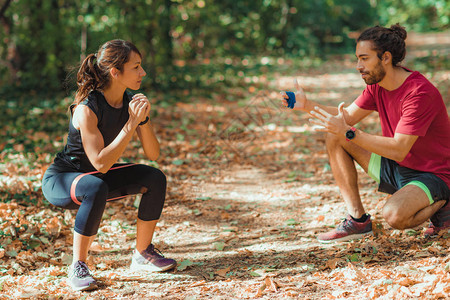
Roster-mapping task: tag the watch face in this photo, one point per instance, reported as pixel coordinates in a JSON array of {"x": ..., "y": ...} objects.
[{"x": 350, "y": 134}]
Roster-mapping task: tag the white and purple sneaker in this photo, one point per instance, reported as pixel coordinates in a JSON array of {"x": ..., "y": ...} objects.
[
  {"x": 152, "y": 260},
  {"x": 80, "y": 278}
]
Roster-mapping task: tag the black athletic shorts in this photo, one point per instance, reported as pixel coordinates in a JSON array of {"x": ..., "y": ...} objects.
[{"x": 391, "y": 177}]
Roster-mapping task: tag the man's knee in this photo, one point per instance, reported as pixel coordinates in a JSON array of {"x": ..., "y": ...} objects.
[
  {"x": 394, "y": 218},
  {"x": 332, "y": 142}
]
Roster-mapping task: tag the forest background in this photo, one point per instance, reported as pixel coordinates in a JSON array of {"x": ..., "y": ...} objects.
[
  {"x": 189, "y": 44},
  {"x": 249, "y": 186}
]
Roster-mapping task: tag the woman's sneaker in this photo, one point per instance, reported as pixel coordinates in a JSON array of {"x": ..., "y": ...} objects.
[
  {"x": 440, "y": 221},
  {"x": 349, "y": 229},
  {"x": 152, "y": 260},
  {"x": 80, "y": 278}
]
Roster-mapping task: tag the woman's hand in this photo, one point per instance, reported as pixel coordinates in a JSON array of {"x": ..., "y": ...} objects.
[{"x": 139, "y": 107}]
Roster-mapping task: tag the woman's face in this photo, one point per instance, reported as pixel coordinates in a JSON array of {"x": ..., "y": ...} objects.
[{"x": 132, "y": 73}]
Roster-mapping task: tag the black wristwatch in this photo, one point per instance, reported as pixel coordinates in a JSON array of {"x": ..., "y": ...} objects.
[
  {"x": 145, "y": 121},
  {"x": 350, "y": 134}
]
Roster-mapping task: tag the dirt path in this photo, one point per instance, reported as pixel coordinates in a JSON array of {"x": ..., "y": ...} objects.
[{"x": 246, "y": 198}]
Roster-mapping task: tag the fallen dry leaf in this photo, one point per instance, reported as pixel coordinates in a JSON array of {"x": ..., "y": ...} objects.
[{"x": 223, "y": 272}]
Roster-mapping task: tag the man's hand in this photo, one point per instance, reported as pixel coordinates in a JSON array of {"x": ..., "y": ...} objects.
[
  {"x": 300, "y": 97},
  {"x": 334, "y": 124}
]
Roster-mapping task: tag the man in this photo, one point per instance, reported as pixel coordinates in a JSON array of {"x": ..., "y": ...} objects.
[{"x": 411, "y": 160}]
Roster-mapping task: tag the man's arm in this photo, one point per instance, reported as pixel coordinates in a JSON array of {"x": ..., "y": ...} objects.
[
  {"x": 338, "y": 120},
  {"x": 353, "y": 113},
  {"x": 303, "y": 104},
  {"x": 395, "y": 148}
]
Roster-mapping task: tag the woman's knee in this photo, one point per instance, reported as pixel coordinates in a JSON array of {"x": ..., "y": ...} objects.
[
  {"x": 157, "y": 177},
  {"x": 152, "y": 203},
  {"x": 93, "y": 193},
  {"x": 94, "y": 187}
]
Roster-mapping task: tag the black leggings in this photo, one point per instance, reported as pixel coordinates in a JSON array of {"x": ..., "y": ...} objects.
[{"x": 89, "y": 192}]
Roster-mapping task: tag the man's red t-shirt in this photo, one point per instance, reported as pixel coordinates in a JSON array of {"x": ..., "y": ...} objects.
[{"x": 415, "y": 108}]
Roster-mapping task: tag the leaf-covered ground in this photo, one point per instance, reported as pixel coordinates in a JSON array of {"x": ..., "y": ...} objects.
[{"x": 249, "y": 189}]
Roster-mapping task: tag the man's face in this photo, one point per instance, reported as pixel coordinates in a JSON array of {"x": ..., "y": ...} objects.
[{"x": 369, "y": 64}]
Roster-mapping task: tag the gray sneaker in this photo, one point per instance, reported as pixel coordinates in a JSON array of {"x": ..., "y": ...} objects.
[
  {"x": 152, "y": 260},
  {"x": 80, "y": 278},
  {"x": 440, "y": 221},
  {"x": 347, "y": 230}
]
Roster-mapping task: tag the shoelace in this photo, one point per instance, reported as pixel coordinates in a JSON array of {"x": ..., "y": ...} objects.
[
  {"x": 344, "y": 225},
  {"x": 81, "y": 270},
  {"x": 151, "y": 251}
]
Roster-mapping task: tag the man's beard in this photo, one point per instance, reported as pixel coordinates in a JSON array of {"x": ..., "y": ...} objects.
[{"x": 376, "y": 75}]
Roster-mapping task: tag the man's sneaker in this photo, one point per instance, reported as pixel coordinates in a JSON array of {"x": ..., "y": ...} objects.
[
  {"x": 349, "y": 229},
  {"x": 80, "y": 278},
  {"x": 439, "y": 221},
  {"x": 152, "y": 260}
]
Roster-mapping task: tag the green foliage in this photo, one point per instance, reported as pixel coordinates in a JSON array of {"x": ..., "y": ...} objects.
[
  {"x": 187, "y": 44},
  {"x": 418, "y": 15}
]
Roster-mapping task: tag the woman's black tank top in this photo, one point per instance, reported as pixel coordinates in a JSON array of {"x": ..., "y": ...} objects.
[{"x": 110, "y": 122}]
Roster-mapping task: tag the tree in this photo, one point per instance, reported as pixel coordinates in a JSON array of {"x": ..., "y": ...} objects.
[{"x": 12, "y": 59}]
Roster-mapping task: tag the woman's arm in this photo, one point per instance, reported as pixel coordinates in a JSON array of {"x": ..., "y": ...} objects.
[
  {"x": 146, "y": 133},
  {"x": 148, "y": 140},
  {"x": 101, "y": 157}
]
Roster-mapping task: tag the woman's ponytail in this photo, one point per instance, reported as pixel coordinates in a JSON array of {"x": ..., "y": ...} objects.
[{"x": 87, "y": 78}]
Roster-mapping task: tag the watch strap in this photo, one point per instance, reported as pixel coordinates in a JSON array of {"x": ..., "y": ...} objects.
[{"x": 351, "y": 129}]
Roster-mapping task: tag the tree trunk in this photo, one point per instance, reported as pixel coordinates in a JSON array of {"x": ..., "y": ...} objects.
[
  {"x": 165, "y": 32},
  {"x": 12, "y": 61},
  {"x": 286, "y": 21},
  {"x": 161, "y": 55}
]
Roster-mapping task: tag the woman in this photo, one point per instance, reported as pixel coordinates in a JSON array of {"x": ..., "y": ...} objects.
[{"x": 85, "y": 175}]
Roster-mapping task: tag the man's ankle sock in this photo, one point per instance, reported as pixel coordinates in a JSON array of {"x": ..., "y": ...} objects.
[{"x": 362, "y": 219}]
